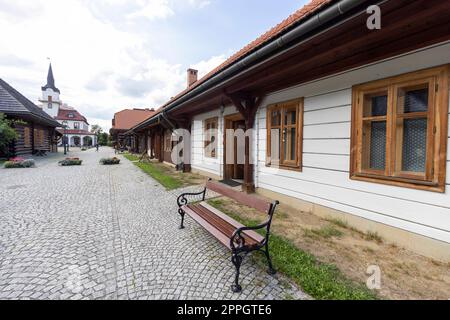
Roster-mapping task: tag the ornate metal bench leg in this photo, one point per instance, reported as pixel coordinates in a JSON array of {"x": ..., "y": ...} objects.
[
  {"x": 237, "y": 261},
  {"x": 271, "y": 270},
  {"x": 182, "y": 213}
]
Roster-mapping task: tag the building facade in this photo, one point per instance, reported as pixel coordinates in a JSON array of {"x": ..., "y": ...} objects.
[
  {"x": 75, "y": 127},
  {"x": 123, "y": 121},
  {"x": 36, "y": 130},
  {"x": 336, "y": 118}
]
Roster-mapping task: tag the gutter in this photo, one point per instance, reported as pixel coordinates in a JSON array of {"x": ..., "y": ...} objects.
[{"x": 314, "y": 22}]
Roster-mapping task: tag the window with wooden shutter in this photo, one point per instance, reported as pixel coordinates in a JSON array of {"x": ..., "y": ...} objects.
[
  {"x": 27, "y": 137},
  {"x": 285, "y": 134},
  {"x": 399, "y": 130},
  {"x": 168, "y": 141},
  {"x": 210, "y": 131}
]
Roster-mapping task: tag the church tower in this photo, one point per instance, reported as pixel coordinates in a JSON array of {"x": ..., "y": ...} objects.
[{"x": 50, "y": 95}]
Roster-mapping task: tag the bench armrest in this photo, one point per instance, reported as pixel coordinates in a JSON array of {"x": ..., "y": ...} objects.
[
  {"x": 184, "y": 198},
  {"x": 239, "y": 240}
]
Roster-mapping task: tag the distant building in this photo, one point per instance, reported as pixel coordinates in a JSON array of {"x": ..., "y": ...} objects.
[
  {"x": 76, "y": 125},
  {"x": 125, "y": 120},
  {"x": 36, "y": 130}
]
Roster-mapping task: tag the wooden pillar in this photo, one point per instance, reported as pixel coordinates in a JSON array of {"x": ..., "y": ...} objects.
[
  {"x": 186, "y": 125},
  {"x": 247, "y": 106},
  {"x": 161, "y": 145}
]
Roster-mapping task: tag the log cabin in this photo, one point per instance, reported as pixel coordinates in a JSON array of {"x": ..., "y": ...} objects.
[
  {"x": 36, "y": 130},
  {"x": 348, "y": 121}
]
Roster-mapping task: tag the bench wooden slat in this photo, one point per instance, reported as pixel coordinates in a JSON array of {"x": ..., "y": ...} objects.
[
  {"x": 248, "y": 200},
  {"x": 252, "y": 234},
  {"x": 205, "y": 224},
  {"x": 220, "y": 224}
]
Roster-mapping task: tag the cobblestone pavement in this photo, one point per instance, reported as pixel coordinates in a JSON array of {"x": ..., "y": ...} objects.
[{"x": 110, "y": 232}]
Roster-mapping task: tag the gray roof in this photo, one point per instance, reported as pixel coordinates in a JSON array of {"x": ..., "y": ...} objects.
[
  {"x": 50, "y": 81},
  {"x": 14, "y": 103}
]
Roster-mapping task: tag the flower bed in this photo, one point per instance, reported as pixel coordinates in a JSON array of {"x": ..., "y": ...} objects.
[
  {"x": 70, "y": 162},
  {"x": 19, "y": 163},
  {"x": 110, "y": 161}
]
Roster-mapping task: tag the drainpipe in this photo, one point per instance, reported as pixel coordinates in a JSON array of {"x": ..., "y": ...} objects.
[{"x": 171, "y": 125}]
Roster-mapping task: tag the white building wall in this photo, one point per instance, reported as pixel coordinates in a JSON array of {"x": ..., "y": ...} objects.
[
  {"x": 53, "y": 111},
  {"x": 326, "y": 154},
  {"x": 199, "y": 161}
]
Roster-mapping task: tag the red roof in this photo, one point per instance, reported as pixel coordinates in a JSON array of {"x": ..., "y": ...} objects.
[
  {"x": 70, "y": 114},
  {"x": 128, "y": 118},
  {"x": 300, "y": 14}
]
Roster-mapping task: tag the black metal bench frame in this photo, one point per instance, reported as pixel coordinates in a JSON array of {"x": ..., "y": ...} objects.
[{"x": 239, "y": 249}]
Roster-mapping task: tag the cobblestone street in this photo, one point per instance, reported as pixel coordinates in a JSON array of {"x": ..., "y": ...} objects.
[{"x": 110, "y": 232}]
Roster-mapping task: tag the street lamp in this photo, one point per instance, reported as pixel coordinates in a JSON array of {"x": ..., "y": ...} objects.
[{"x": 64, "y": 123}]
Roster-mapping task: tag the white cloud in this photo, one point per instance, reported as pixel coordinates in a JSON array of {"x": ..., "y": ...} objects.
[
  {"x": 206, "y": 66},
  {"x": 200, "y": 4},
  {"x": 152, "y": 9},
  {"x": 98, "y": 68}
]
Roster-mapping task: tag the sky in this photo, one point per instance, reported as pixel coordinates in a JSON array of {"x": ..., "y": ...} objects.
[{"x": 108, "y": 55}]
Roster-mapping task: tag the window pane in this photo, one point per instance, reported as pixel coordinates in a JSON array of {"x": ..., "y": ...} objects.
[
  {"x": 413, "y": 99},
  {"x": 290, "y": 144},
  {"x": 374, "y": 145},
  {"x": 275, "y": 138},
  {"x": 290, "y": 117},
  {"x": 375, "y": 104},
  {"x": 414, "y": 145},
  {"x": 276, "y": 118}
]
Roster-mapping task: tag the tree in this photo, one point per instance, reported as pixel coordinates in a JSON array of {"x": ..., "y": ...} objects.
[
  {"x": 96, "y": 129},
  {"x": 103, "y": 139},
  {"x": 7, "y": 135}
]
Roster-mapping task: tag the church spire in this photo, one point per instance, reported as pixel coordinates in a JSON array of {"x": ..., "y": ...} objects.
[{"x": 50, "y": 81}]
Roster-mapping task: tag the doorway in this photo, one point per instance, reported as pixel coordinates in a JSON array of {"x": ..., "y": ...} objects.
[{"x": 234, "y": 165}]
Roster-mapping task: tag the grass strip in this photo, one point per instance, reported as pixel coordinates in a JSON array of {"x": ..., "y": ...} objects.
[{"x": 321, "y": 281}]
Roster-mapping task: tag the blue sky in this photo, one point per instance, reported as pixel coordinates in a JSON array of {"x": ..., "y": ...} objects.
[{"x": 112, "y": 54}]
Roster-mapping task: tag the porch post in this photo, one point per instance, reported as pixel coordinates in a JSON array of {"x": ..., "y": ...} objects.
[
  {"x": 249, "y": 113},
  {"x": 161, "y": 145},
  {"x": 186, "y": 125}
]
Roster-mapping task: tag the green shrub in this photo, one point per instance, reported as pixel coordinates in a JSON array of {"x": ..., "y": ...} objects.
[
  {"x": 110, "y": 161},
  {"x": 7, "y": 134},
  {"x": 12, "y": 165},
  {"x": 28, "y": 163},
  {"x": 70, "y": 162},
  {"x": 19, "y": 164}
]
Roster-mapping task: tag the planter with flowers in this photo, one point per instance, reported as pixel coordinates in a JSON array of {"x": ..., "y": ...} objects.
[
  {"x": 70, "y": 162},
  {"x": 19, "y": 162},
  {"x": 109, "y": 161}
]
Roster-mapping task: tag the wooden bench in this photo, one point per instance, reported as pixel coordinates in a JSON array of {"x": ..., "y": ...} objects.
[{"x": 239, "y": 239}]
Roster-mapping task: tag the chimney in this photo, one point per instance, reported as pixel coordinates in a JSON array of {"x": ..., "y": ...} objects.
[{"x": 191, "y": 77}]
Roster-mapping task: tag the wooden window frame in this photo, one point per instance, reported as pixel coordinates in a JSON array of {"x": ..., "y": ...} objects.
[
  {"x": 168, "y": 143},
  {"x": 296, "y": 164},
  {"x": 207, "y": 139},
  {"x": 27, "y": 137},
  {"x": 433, "y": 178}
]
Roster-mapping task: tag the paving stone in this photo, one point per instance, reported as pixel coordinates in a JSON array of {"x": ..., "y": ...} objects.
[{"x": 110, "y": 232}]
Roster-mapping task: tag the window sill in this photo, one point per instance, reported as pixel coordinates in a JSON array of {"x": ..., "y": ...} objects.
[
  {"x": 400, "y": 182},
  {"x": 297, "y": 169}
]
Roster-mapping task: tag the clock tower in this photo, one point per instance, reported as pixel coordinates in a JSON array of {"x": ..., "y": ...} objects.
[{"x": 50, "y": 95}]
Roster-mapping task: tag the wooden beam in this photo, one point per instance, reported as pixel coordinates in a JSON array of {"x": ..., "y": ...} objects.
[{"x": 247, "y": 106}]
